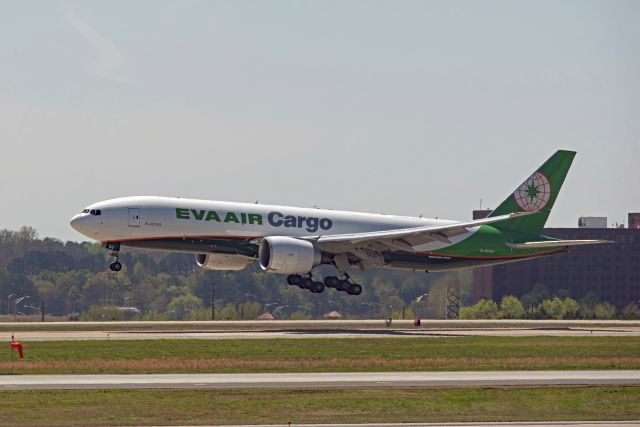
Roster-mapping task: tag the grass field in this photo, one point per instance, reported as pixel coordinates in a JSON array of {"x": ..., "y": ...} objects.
[
  {"x": 323, "y": 355},
  {"x": 192, "y": 407}
]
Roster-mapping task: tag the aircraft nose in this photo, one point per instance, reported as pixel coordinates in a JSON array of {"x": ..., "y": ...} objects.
[{"x": 76, "y": 222}]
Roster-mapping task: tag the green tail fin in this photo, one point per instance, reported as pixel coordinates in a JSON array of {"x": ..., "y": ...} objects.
[{"x": 537, "y": 193}]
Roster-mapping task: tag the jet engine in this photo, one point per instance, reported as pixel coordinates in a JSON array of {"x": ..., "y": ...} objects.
[
  {"x": 222, "y": 261},
  {"x": 287, "y": 255}
]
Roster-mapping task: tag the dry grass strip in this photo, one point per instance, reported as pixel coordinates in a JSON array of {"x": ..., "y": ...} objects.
[{"x": 373, "y": 364}]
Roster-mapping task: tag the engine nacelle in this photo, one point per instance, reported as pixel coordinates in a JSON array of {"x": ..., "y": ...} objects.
[
  {"x": 286, "y": 255},
  {"x": 222, "y": 261}
]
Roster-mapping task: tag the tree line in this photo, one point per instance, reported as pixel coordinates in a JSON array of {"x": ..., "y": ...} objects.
[{"x": 71, "y": 277}]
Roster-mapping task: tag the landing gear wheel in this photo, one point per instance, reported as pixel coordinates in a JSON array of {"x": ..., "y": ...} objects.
[
  {"x": 293, "y": 280},
  {"x": 344, "y": 286},
  {"x": 331, "y": 282},
  {"x": 115, "y": 266},
  {"x": 306, "y": 283},
  {"x": 318, "y": 287},
  {"x": 354, "y": 289}
]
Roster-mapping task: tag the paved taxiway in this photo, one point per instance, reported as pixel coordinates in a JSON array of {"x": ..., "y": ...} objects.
[
  {"x": 324, "y": 380},
  {"x": 326, "y": 333}
]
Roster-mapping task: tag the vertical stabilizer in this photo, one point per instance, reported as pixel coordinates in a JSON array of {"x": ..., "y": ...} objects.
[{"x": 536, "y": 193}]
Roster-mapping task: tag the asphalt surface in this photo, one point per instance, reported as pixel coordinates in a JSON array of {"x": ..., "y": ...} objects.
[
  {"x": 323, "y": 380},
  {"x": 496, "y": 424},
  {"x": 319, "y": 333}
]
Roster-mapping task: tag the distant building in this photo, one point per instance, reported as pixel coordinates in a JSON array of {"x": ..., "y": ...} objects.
[
  {"x": 592, "y": 222},
  {"x": 481, "y": 213},
  {"x": 611, "y": 271}
]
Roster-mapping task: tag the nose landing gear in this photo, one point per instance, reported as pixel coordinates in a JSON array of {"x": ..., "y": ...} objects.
[{"x": 115, "y": 251}]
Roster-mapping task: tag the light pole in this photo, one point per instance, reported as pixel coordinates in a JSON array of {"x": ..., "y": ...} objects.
[
  {"x": 9, "y": 304},
  {"x": 15, "y": 306},
  {"x": 213, "y": 301},
  {"x": 424, "y": 297}
]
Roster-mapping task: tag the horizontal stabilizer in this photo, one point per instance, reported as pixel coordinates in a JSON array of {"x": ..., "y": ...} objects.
[{"x": 555, "y": 243}]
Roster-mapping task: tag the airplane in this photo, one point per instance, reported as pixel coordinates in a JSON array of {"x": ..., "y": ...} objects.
[{"x": 294, "y": 241}]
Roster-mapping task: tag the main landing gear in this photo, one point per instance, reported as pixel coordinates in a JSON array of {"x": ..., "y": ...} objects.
[
  {"x": 115, "y": 251},
  {"x": 341, "y": 285},
  {"x": 305, "y": 282}
]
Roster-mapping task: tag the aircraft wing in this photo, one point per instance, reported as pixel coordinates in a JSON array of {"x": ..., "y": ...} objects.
[
  {"x": 555, "y": 243},
  {"x": 404, "y": 238}
]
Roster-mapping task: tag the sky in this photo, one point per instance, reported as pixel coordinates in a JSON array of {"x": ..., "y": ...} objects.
[{"x": 400, "y": 107}]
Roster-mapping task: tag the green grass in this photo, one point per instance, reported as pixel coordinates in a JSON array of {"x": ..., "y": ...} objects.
[
  {"x": 324, "y": 354},
  {"x": 192, "y": 407}
]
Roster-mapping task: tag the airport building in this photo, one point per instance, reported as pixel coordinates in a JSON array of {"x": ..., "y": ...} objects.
[{"x": 611, "y": 271}]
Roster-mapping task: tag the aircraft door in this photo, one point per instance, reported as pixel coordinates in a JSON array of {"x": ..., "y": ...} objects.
[{"x": 134, "y": 217}]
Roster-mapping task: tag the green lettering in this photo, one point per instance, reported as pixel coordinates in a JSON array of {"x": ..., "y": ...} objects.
[
  {"x": 197, "y": 214},
  {"x": 182, "y": 213},
  {"x": 231, "y": 217},
  {"x": 243, "y": 216},
  {"x": 255, "y": 219},
  {"x": 212, "y": 215}
]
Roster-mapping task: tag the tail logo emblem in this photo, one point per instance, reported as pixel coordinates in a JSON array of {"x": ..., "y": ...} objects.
[{"x": 534, "y": 193}]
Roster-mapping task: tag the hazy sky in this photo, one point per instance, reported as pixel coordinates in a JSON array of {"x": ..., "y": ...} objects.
[{"x": 386, "y": 106}]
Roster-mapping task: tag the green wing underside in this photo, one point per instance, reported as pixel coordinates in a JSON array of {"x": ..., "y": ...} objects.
[{"x": 490, "y": 242}]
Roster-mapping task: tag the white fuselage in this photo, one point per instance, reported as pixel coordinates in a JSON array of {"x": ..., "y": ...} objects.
[{"x": 131, "y": 219}]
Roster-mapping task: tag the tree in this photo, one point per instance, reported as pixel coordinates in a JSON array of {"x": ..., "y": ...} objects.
[
  {"x": 229, "y": 312},
  {"x": 180, "y": 306},
  {"x": 483, "y": 309},
  {"x": 631, "y": 312},
  {"x": 571, "y": 308},
  {"x": 532, "y": 301},
  {"x": 588, "y": 305},
  {"x": 511, "y": 308},
  {"x": 552, "y": 308},
  {"x": 604, "y": 310},
  {"x": 559, "y": 309},
  {"x": 250, "y": 310}
]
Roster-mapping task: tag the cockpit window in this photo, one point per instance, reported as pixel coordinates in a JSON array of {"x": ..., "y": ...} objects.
[
  {"x": 98, "y": 212},
  {"x": 85, "y": 211}
]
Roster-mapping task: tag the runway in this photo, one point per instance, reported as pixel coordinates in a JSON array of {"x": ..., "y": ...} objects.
[
  {"x": 470, "y": 424},
  {"x": 323, "y": 380},
  {"x": 322, "y": 333},
  {"x": 347, "y": 329}
]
